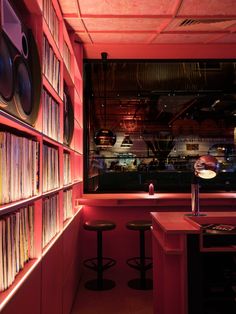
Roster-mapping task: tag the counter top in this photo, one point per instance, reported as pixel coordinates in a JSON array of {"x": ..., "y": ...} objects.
[
  {"x": 178, "y": 263},
  {"x": 178, "y": 222},
  {"x": 158, "y": 199},
  {"x": 174, "y": 222}
]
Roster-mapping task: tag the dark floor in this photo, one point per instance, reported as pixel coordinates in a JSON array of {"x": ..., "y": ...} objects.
[{"x": 120, "y": 300}]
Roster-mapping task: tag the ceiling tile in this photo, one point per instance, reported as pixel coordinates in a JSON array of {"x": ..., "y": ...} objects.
[
  {"x": 119, "y": 38},
  {"x": 76, "y": 24},
  {"x": 123, "y": 24},
  {"x": 147, "y": 22},
  {"x": 208, "y": 8},
  {"x": 182, "y": 24},
  {"x": 179, "y": 38},
  {"x": 126, "y": 7},
  {"x": 84, "y": 38},
  {"x": 69, "y": 7}
]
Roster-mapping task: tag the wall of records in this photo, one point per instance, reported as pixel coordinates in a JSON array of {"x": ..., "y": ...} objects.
[{"x": 41, "y": 154}]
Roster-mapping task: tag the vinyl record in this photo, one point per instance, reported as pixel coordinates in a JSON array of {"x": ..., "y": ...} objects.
[
  {"x": 23, "y": 89},
  {"x": 6, "y": 70},
  {"x": 68, "y": 120}
]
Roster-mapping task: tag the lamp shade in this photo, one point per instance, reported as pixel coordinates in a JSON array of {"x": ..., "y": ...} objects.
[
  {"x": 206, "y": 167},
  {"x": 127, "y": 142},
  {"x": 105, "y": 138}
]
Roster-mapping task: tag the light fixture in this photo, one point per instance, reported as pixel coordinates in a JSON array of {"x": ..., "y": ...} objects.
[
  {"x": 206, "y": 167},
  {"x": 127, "y": 142},
  {"x": 104, "y": 137}
]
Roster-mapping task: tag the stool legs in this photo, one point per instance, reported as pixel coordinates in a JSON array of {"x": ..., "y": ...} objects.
[
  {"x": 142, "y": 259},
  {"x": 99, "y": 264},
  {"x": 141, "y": 263}
]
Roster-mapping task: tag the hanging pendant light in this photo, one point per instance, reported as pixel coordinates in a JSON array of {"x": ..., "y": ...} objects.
[
  {"x": 104, "y": 137},
  {"x": 127, "y": 142},
  {"x": 206, "y": 167}
]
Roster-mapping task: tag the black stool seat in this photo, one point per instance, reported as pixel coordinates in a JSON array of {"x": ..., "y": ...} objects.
[
  {"x": 99, "y": 263},
  {"x": 96, "y": 225},
  {"x": 139, "y": 225},
  {"x": 142, "y": 263}
]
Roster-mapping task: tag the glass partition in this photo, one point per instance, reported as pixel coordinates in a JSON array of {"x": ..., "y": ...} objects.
[{"x": 164, "y": 116}]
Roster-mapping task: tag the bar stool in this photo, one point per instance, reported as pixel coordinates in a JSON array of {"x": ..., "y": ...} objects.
[
  {"x": 142, "y": 263},
  {"x": 99, "y": 263}
]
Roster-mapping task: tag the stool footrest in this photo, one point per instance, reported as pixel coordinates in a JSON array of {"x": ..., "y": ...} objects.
[
  {"x": 135, "y": 262},
  {"x": 138, "y": 284},
  {"x": 99, "y": 285},
  {"x": 92, "y": 263}
]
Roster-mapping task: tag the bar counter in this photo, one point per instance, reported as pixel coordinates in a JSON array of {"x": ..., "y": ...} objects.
[
  {"x": 167, "y": 242},
  {"x": 179, "y": 252},
  {"x": 165, "y": 201}
]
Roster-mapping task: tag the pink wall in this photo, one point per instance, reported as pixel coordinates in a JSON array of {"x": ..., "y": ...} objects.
[{"x": 164, "y": 51}]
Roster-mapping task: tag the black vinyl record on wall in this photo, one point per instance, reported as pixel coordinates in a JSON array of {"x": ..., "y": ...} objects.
[{"x": 68, "y": 119}]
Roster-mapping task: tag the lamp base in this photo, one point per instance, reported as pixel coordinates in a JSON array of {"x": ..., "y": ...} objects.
[{"x": 193, "y": 215}]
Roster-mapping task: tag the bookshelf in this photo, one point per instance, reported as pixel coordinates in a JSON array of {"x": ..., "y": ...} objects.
[{"x": 41, "y": 160}]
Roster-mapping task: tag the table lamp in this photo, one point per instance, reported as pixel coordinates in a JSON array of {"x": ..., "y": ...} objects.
[{"x": 206, "y": 167}]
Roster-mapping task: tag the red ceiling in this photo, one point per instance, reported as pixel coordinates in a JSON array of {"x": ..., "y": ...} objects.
[{"x": 154, "y": 28}]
